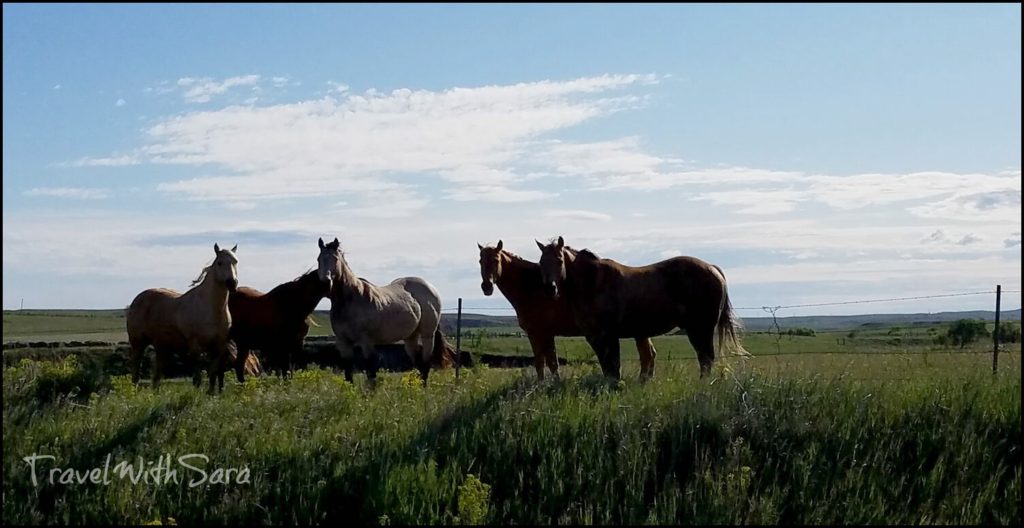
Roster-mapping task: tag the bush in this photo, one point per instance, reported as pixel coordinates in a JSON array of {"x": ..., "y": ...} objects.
[{"x": 966, "y": 331}]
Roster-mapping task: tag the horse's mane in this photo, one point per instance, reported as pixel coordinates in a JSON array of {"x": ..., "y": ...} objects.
[
  {"x": 294, "y": 281},
  {"x": 513, "y": 256},
  {"x": 202, "y": 275},
  {"x": 583, "y": 253}
]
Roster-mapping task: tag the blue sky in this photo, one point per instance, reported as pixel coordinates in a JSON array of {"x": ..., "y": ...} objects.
[{"x": 816, "y": 153}]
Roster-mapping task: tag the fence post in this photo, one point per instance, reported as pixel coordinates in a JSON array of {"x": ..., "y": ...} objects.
[
  {"x": 458, "y": 340},
  {"x": 995, "y": 331}
]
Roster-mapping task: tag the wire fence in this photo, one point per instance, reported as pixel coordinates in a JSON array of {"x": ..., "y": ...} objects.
[
  {"x": 766, "y": 307},
  {"x": 900, "y": 338}
]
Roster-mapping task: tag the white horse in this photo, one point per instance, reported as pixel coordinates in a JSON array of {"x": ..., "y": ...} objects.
[
  {"x": 364, "y": 315},
  {"x": 196, "y": 323}
]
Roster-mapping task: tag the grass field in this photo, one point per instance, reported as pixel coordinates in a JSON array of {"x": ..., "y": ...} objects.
[{"x": 808, "y": 431}]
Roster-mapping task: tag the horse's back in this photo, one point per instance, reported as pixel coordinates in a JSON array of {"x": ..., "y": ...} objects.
[
  {"x": 247, "y": 307},
  {"x": 151, "y": 312},
  {"x": 421, "y": 290}
]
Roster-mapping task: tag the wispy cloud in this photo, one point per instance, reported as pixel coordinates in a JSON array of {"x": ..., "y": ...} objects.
[
  {"x": 114, "y": 161},
  {"x": 578, "y": 215},
  {"x": 355, "y": 142},
  {"x": 77, "y": 193},
  {"x": 202, "y": 90},
  {"x": 968, "y": 239},
  {"x": 120, "y": 102}
]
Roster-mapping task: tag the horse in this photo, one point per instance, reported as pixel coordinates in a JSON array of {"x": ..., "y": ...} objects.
[
  {"x": 540, "y": 316},
  {"x": 275, "y": 322},
  {"x": 609, "y": 299},
  {"x": 364, "y": 315},
  {"x": 196, "y": 322}
]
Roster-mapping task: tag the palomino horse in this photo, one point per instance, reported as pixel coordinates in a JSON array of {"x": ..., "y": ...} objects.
[
  {"x": 196, "y": 322},
  {"x": 540, "y": 316},
  {"x": 275, "y": 322},
  {"x": 609, "y": 300},
  {"x": 364, "y": 315}
]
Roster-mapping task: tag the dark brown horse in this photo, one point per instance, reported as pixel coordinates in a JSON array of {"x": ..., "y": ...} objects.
[
  {"x": 275, "y": 322},
  {"x": 609, "y": 300},
  {"x": 540, "y": 316}
]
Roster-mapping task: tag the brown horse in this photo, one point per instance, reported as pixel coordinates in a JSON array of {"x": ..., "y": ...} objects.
[
  {"x": 196, "y": 322},
  {"x": 540, "y": 316},
  {"x": 609, "y": 300},
  {"x": 275, "y": 322}
]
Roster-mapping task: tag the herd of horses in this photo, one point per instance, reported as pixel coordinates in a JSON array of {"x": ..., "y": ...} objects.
[{"x": 219, "y": 324}]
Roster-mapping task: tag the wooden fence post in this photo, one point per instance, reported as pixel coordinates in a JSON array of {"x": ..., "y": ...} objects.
[
  {"x": 995, "y": 331},
  {"x": 458, "y": 341}
]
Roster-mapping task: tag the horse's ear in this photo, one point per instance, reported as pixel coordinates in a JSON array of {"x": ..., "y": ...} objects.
[
  {"x": 216, "y": 247},
  {"x": 541, "y": 246},
  {"x": 336, "y": 241},
  {"x": 321, "y": 241},
  {"x": 561, "y": 243},
  {"x": 479, "y": 246},
  {"x": 234, "y": 248},
  {"x": 499, "y": 245}
]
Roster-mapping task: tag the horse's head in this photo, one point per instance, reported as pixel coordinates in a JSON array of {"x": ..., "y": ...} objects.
[
  {"x": 490, "y": 267},
  {"x": 329, "y": 261},
  {"x": 225, "y": 267},
  {"x": 552, "y": 265}
]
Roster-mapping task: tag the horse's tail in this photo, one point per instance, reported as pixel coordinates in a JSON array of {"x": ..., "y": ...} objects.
[
  {"x": 252, "y": 365},
  {"x": 728, "y": 324},
  {"x": 444, "y": 352}
]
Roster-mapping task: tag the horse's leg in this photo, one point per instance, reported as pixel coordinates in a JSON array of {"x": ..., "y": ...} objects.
[
  {"x": 538, "y": 344},
  {"x": 345, "y": 352},
  {"x": 595, "y": 344},
  {"x": 212, "y": 362},
  {"x": 223, "y": 361},
  {"x": 428, "y": 353},
  {"x": 137, "y": 350},
  {"x": 412, "y": 348},
  {"x": 552, "y": 357},
  {"x": 158, "y": 366},
  {"x": 369, "y": 351},
  {"x": 645, "y": 347},
  {"x": 242, "y": 356},
  {"x": 612, "y": 355},
  {"x": 702, "y": 337}
]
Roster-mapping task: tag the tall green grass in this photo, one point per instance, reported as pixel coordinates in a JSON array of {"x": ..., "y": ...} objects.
[{"x": 751, "y": 444}]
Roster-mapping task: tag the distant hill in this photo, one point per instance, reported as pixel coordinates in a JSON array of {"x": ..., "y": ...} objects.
[{"x": 844, "y": 322}]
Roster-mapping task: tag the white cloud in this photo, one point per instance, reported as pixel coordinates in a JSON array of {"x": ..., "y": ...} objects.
[
  {"x": 120, "y": 102},
  {"x": 204, "y": 89},
  {"x": 77, "y": 193},
  {"x": 755, "y": 201},
  {"x": 968, "y": 239},
  {"x": 578, "y": 215},
  {"x": 56, "y": 87},
  {"x": 496, "y": 193},
  {"x": 468, "y": 136},
  {"x": 114, "y": 161},
  {"x": 337, "y": 87}
]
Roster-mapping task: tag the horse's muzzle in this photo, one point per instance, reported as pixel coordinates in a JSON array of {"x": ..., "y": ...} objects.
[
  {"x": 232, "y": 284},
  {"x": 552, "y": 290},
  {"x": 487, "y": 287}
]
